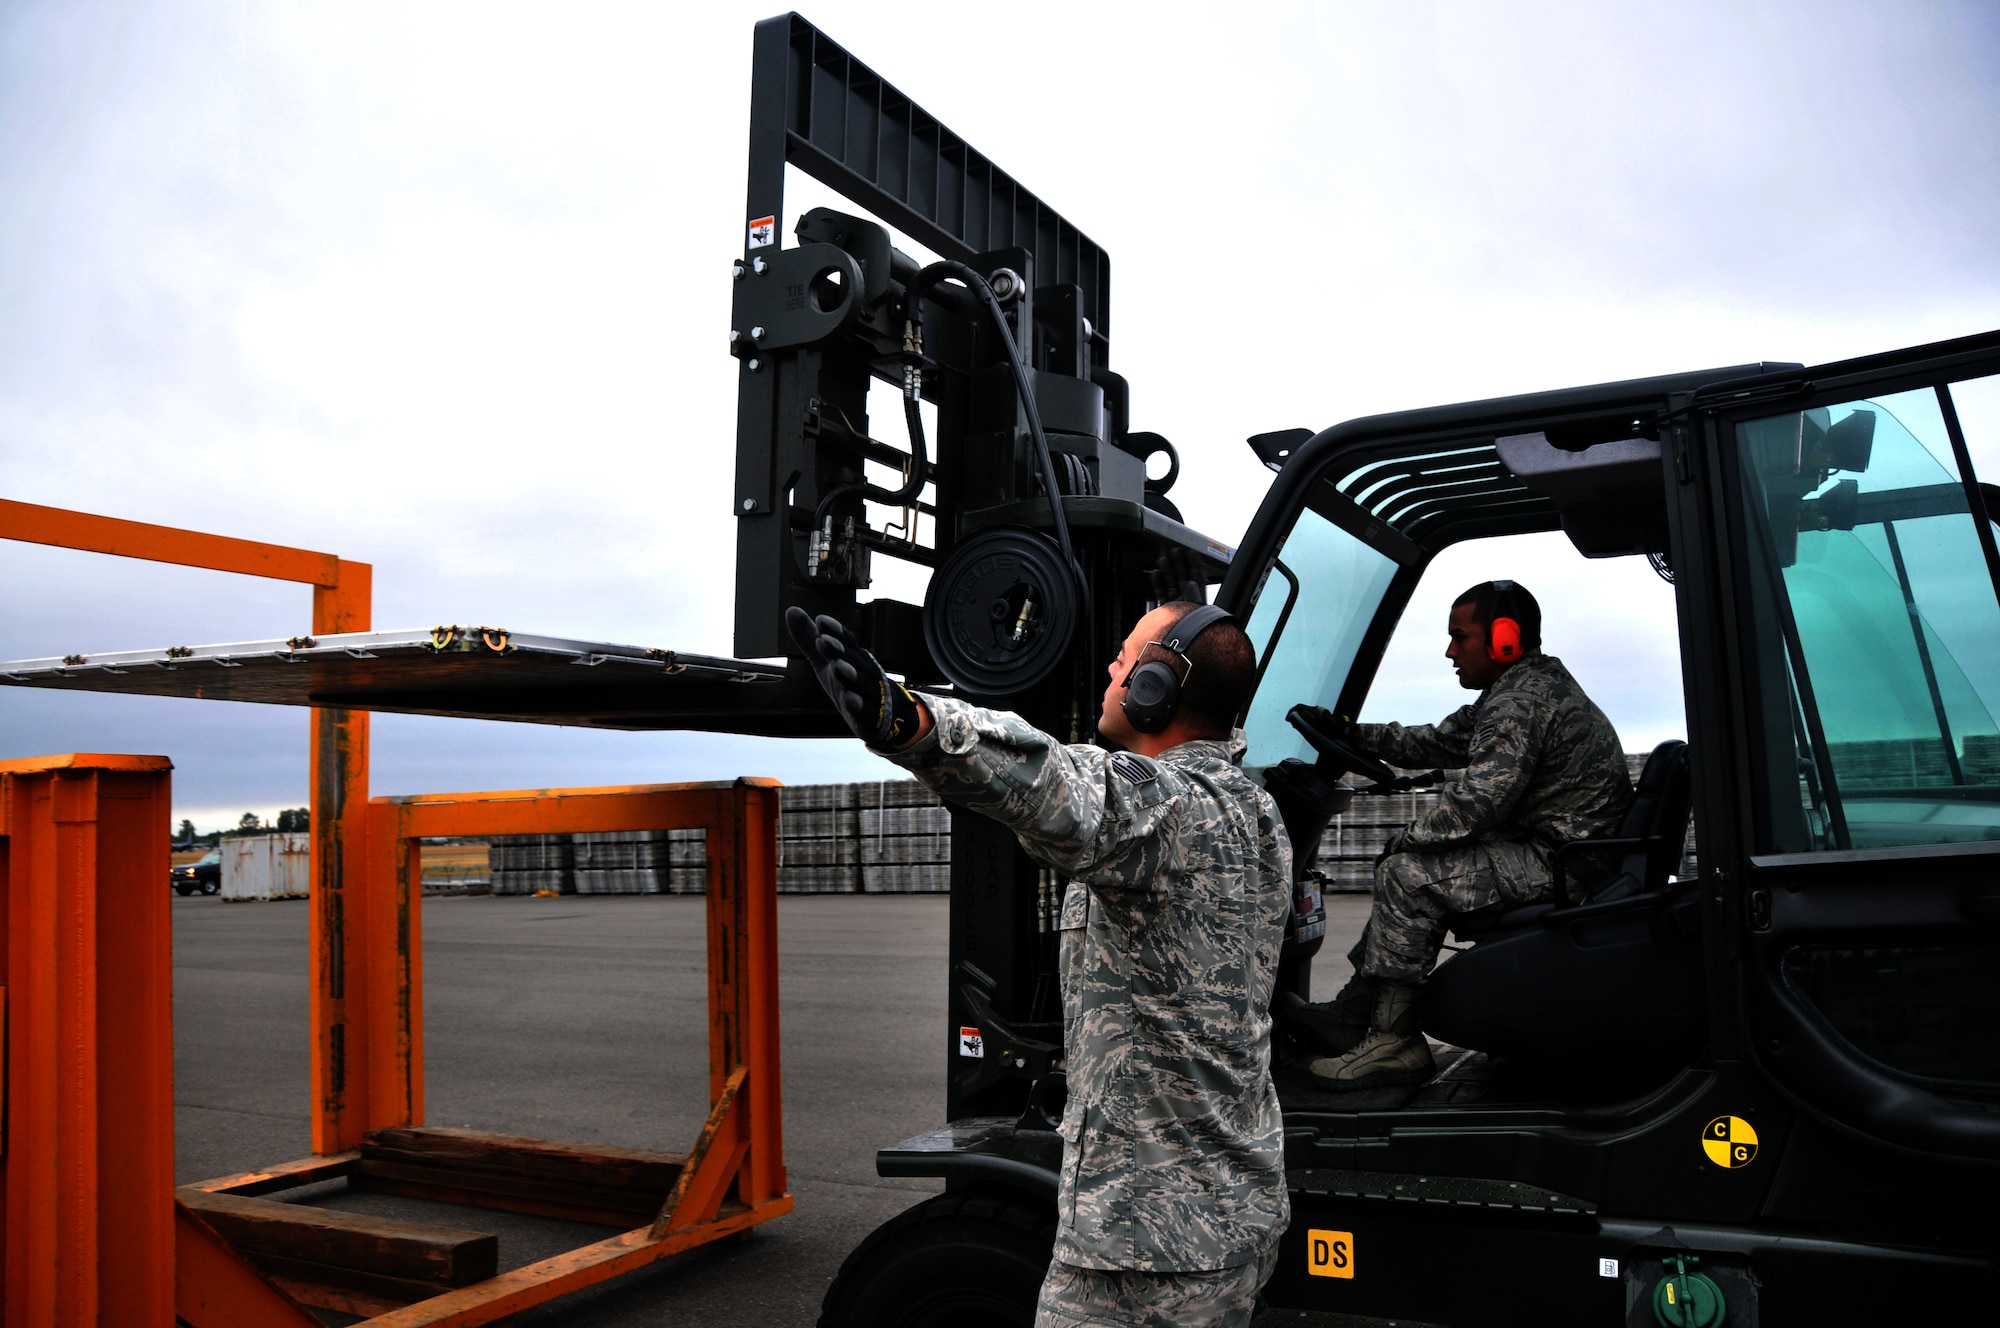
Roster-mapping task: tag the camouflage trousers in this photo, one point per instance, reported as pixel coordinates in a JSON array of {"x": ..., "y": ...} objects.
[
  {"x": 1417, "y": 891},
  {"x": 1075, "y": 1297}
]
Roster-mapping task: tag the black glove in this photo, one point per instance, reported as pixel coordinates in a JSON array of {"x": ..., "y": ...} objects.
[
  {"x": 881, "y": 711},
  {"x": 1338, "y": 727}
]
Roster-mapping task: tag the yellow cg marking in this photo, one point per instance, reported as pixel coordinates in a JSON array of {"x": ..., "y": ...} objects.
[{"x": 1729, "y": 1141}]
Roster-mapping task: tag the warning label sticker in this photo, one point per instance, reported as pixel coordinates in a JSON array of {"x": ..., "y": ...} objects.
[
  {"x": 763, "y": 231},
  {"x": 970, "y": 1043},
  {"x": 1330, "y": 1253},
  {"x": 1729, "y": 1142}
]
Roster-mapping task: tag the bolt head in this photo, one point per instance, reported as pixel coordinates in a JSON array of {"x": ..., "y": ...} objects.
[
  {"x": 756, "y": 334},
  {"x": 734, "y": 336},
  {"x": 755, "y": 365},
  {"x": 749, "y": 504},
  {"x": 758, "y": 265},
  {"x": 736, "y": 270}
]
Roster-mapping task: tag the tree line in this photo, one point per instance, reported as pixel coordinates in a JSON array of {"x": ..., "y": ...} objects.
[{"x": 289, "y": 819}]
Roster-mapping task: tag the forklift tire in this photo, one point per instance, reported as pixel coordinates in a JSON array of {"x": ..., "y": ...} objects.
[{"x": 974, "y": 1258}]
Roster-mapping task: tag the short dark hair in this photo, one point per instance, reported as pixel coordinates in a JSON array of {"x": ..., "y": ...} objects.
[
  {"x": 1485, "y": 600},
  {"x": 1222, "y": 672}
]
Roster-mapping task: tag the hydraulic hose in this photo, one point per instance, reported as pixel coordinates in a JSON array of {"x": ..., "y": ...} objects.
[
  {"x": 913, "y": 483},
  {"x": 913, "y": 305}
]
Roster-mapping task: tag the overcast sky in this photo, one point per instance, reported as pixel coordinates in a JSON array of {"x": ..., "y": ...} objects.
[{"x": 445, "y": 288}]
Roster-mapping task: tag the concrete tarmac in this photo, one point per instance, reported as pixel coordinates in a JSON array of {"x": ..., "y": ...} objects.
[{"x": 585, "y": 1018}]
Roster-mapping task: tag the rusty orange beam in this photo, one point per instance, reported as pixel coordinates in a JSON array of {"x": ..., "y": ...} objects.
[
  {"x": 350, "y": 986},
  {"x": 567, "y": 810},
  {"x": 742, "y": 1140},
  {"x": 215, "y": 1287},
  {"x": 59, "y": 526},
  {"x": 86, "y": 959}
]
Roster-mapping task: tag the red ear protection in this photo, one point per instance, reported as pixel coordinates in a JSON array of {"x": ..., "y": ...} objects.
[{"x": 1503, "y": 634}]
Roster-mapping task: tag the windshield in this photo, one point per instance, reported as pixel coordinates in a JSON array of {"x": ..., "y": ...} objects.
[
  {"x": 1887, "y": 648},
  {"x": 1311, "y": 613},
  {"x": 210, "y": 858}
]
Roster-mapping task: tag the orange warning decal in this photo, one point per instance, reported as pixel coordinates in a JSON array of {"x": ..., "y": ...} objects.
[{"x": 1330, "y": 1253}]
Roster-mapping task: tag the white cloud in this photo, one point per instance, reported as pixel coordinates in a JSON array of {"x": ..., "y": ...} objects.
[{"x": 443, "y": 288}]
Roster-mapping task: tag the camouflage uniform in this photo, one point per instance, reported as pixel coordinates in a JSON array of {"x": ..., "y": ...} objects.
[
  {"x": 1098, "y": 1298},
  {"x": 1180, "y": 885},
  {"x": 1542, "y": 766}
]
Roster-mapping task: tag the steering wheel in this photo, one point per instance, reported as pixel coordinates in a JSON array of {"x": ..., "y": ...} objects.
[{"x": 1316, "y": 725}]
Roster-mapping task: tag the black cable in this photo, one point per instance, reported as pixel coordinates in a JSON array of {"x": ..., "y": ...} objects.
[
  {"x": 913, "y": 483},
  {"x": 913, "y": 303}
]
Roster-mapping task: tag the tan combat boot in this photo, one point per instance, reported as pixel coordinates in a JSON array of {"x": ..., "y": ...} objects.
[
  {"x": 1333, "y": 1027},
  {"x": 1394, "y": 1054}
]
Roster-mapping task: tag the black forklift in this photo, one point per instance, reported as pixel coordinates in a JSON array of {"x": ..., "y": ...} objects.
[
  {"x": 1766, "y": 1089},
  {"x": 1761, "y": 1087}
]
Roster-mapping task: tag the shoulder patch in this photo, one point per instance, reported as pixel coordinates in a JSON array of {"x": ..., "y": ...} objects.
[{"x": 1133, "y": 769}]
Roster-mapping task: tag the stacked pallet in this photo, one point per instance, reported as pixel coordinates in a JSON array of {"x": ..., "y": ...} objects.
[
  {"x": 1348, "y": 849},
  {"x": 905, "y": 839},
  {"x": 1981, "y": 758},
  {"x": 623, "y": 862},
  {"x": 816, "y": 843},
  {"x": 532, "y": 864},
  {"x": 687, "y": 862}
]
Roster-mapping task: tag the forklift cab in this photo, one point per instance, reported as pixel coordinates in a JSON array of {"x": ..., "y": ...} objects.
[{"x": 1798, "y": 1034}]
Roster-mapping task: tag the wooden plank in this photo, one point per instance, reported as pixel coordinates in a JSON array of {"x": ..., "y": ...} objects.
[
  {"x": 215, "y": 1287},
  {"x": 584, "y": 1182},
  {"x": 538, "y": 1283},
  {"x": 283, "y": 1176},
  {"x": 432, "y": 1257},
  {"x": 511, "y": 1194},
  {"x": 345, "y": 1299},
  {"x": 596, "y": 1166}
]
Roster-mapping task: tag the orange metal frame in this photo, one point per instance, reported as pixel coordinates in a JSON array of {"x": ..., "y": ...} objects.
[
  {"x": 86, "y": 985},
  {"x": 741, "y": 1146},
  {"x": 353, "y": 988},
  {"x": 76, "y": 1243}
]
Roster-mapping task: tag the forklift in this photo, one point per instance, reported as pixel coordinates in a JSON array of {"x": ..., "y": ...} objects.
[
  {"x": 1766, "y": 1090},
  {"x": 1761, "y": 1087}
]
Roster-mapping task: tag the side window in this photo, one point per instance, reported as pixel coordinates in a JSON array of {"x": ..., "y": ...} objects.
[
  {"x": 1310, "y": 616},
  {"x": 1878, "y": 628}
]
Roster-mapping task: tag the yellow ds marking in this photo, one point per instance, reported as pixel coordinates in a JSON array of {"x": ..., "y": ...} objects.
[
  {"x": 1330, "y": 1253},
  {"x": 1729, "y": 1142}
]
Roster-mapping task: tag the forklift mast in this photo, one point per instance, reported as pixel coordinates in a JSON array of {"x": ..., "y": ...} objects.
[{"x": 1029, "y": 503}]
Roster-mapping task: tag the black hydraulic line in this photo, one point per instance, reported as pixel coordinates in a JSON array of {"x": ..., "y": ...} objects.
[
  {"x": 913, "y": 312},
  {"x": 1924, "y": 653},
  {"x": 913, "y": 483}
]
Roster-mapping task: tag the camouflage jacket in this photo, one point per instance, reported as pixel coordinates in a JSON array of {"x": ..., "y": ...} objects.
[
  {"x": 1180, "y": 882},
  {"x": 1541, "y": 763}
]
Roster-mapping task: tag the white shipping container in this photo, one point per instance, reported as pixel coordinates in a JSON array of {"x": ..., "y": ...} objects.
[{"x": 267, "y": 866}]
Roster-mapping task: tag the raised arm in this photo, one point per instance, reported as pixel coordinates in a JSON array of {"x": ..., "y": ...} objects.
[
  {"x": 1088, "y": 813},
  {"x": 1447, "y": 745},
  {"x": 1501, "y": 755}
]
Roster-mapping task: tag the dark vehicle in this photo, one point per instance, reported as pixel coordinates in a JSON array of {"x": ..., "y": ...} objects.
[
  {"x": 204, "y": 876},
  {"x": 1767, "y": 1087}
]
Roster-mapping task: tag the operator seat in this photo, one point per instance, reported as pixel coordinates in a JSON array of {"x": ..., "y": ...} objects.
[{"x": 1613, "y": 981}]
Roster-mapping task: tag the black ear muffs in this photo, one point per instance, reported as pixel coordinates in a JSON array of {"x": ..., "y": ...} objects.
[
  {"x": 1153, "y": 689},
  {"x": 1503, "y": 634}
]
